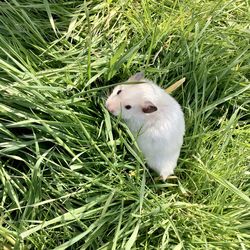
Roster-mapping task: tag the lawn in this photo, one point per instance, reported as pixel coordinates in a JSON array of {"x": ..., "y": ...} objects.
[{"x": 71, "y": 176}]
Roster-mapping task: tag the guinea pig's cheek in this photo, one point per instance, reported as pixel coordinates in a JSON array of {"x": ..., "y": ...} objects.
[{"x": 116, "y": 113}]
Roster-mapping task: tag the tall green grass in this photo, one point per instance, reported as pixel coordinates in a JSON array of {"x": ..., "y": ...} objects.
[{"x": 71, "y": 176}]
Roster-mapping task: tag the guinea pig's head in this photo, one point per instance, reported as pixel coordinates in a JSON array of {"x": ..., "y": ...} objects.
[{"x": 132, "y": 101}]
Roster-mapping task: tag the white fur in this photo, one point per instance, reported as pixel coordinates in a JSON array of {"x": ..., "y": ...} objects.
[{"x": 159, "y": 134}]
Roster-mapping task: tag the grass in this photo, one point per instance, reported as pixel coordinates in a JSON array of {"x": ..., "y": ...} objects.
[{"x": 71, "y": 177}]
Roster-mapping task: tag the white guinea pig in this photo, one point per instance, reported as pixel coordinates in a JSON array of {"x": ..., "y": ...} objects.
[{"x": 154, "y": 117}]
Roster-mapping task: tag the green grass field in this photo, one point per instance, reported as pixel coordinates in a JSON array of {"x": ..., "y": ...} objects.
[{"x": 70, "y": 174}]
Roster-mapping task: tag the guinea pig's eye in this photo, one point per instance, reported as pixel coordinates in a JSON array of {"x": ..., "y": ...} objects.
[
  {"x": 128, "y": 107},
  {"x": 119, "y": 91}
]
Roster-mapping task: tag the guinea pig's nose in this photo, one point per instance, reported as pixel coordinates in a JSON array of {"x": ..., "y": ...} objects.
[{"x": 109, "y": 108}]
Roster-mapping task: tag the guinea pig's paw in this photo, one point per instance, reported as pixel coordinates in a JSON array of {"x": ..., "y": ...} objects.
[{"x": 164, "y": 176}]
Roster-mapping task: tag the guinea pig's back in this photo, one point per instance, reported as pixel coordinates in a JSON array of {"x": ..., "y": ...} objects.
[
  {"x": 169, "y": 118},
  {"x": 173, "y": 111}
]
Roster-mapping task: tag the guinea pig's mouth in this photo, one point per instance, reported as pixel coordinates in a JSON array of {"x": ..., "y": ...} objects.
[{"x": 114, "y": 112}]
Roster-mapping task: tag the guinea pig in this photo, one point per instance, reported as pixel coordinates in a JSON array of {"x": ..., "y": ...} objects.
[{"x": 154, "y": 117}]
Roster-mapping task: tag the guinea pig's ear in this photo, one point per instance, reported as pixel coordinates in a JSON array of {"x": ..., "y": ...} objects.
[
  {"x": 148, "y": 107},
  {"x": 137, "y": 77}
]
